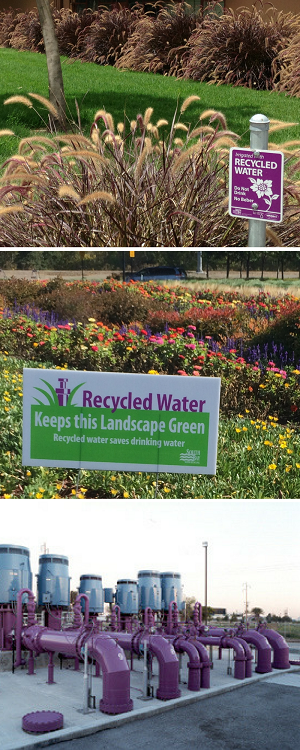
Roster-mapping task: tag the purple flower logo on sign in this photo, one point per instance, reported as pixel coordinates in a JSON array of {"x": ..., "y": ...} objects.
[{"x": 262, "y": 188}]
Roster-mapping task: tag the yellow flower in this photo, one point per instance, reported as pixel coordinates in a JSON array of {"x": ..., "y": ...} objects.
[
  {"x": 262, "y": 386},
  {"x": 237, "y": 429},
  {"x": 39, "y": 495},
  {"x": 166, "y": 489},
  {"x": 288, "y": 467},
  {"x": 129, "y": 348},
  {"x": 73, "y": 492},
  {"x": 83, "y": 490},
  {"x": 249, "y": 447},
  {"x": 298, "y": 466},
  {"x": 114, "y": 492},
  {"x": 286, "y": 385},
  {"x": 295, "y": 372},
  {"x": 28, "y": 473},
  {"x": 272, "y": 466},
  {"x": 58, "y": 486},
  {"x": 35, "y": 344},
  {"x": 92, "y": 320},
  {"x": 6, "y": 497},
  {"x": 245, "y": 429},
  {"x": 283, "y": 444},
  {"x": 126, "y": 494},
  {"x": 113, "y": 479},
  {"x": 153, "y": 372},
  {"x": 289, "y": 451},
  {"x": 41, "y": 489}
]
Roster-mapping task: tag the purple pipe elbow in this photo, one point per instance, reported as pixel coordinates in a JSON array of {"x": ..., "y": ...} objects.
[
  {"x": 229, "y": 642},
  {"x": 169, "y": 667},
  {"x": 205, "y": 663},
  {"x": 181, "y": 645},
  {"x": 280, "y": 648},
  {"x": 116, "y": 675},
  {"x": 165, "y": 654},
  {"x": 108, "y": 654},
  {"x": 264, "y": 651}
]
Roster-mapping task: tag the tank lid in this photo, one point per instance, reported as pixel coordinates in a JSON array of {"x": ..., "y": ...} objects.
[{"x": 86, "y": 577}]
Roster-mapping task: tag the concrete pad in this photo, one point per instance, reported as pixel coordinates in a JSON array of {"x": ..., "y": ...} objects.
[{"x": 21, "y": 693}]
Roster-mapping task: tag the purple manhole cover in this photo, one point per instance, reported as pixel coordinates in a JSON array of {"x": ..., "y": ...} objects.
[{"x": 42, "y": 721}]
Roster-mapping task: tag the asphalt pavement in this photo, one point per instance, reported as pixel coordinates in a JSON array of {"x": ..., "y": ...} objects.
[{"x": 264, "y": 716}]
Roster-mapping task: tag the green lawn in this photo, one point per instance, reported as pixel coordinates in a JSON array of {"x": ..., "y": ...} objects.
[{"x": 97, "y": 87}]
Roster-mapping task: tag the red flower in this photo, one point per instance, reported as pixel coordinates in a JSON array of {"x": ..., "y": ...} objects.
[{"x": 294, "y": 408}]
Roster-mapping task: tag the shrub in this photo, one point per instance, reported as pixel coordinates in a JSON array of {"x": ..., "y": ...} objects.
[
  {"x": 18, "y": 290},
  {"x": 284, "y": 331},
  {"x": 27, "y": 34},
  {"x": 240, "y": 48},
  {"x": 102, "y": 41},
  {"x": 158, "y": 45},
  {"x": 69, "y": 30},
  {"x": 129, "y": 188},
  {"x": 8, "y": 22},
  {"x": 289, "y": 63}
]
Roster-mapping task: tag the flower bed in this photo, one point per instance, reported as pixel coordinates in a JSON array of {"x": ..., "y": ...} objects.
[{"x": 260, "y": 394}]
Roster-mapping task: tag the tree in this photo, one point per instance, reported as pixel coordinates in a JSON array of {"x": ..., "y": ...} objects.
[
  {"x": 190, "y": 603},
  {"x": 55, "y": 77},
  {"x": 257, "y": 612}
]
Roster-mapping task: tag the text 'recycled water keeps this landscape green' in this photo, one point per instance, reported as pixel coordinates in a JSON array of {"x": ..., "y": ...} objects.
[{"x": 120, "y": 421}]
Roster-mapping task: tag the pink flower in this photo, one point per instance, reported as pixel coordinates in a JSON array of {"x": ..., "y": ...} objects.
[{"x": 94, "y": 348}]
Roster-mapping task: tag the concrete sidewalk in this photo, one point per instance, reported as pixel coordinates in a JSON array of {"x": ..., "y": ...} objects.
[{"x": 21, "y": 694}]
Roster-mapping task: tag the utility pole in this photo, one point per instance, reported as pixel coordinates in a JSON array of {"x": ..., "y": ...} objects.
[{"x": 246, "y": 586}]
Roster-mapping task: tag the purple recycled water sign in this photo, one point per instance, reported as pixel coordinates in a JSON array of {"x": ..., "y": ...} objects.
[{"x": 256, "y": 184}]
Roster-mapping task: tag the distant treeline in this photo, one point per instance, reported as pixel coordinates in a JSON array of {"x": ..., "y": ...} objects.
[{"x": 243, "y": 261}]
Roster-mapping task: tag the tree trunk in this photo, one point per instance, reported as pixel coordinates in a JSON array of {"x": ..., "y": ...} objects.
[{"x": 55, "y": 78}]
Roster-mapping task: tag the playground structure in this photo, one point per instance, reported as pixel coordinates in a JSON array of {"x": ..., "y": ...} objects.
[{"x": 145, "y": 621}]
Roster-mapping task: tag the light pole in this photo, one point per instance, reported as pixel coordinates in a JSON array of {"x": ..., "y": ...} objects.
[{"x": 205, "y": 545}]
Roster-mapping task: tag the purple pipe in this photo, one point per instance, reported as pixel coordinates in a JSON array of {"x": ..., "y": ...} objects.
[
  {"x": 165, "y": 654},
  {"x": 263, "y": 648},
  {"x": 204, "y": 663},
  {"x": 172, "y": 620},
  {"x": 19, "y": 621},
  {"x": 149, "y": 621},
  {"x": 86, "y": 607},
  {"x": 197, "y": 614},
  {"x": 103, "y": 648},
  {"x": 279, "y": 645},
  {"x": 229, "y": 642},
  {"x": 181, "y": 646},
  {"x": 115, "y": 617}
]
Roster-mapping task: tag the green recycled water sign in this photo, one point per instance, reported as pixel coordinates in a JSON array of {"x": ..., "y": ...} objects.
[{"x": 120, "y": 421}]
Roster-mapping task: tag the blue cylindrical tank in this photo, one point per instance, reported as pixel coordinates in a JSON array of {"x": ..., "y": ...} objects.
[
  {"x": 109, "y": 596},
  {"x": 92, "y": 586},
  {"x": 127, "y": 596},
  {"x": 171, "y": 590},
  {"x": 53, "y": 582},
  {"x": 15, "y": 572},
  {"x": 149, "y": 586}
]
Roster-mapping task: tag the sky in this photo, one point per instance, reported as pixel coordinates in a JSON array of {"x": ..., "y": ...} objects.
[{"x": 253, "y": 543}]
